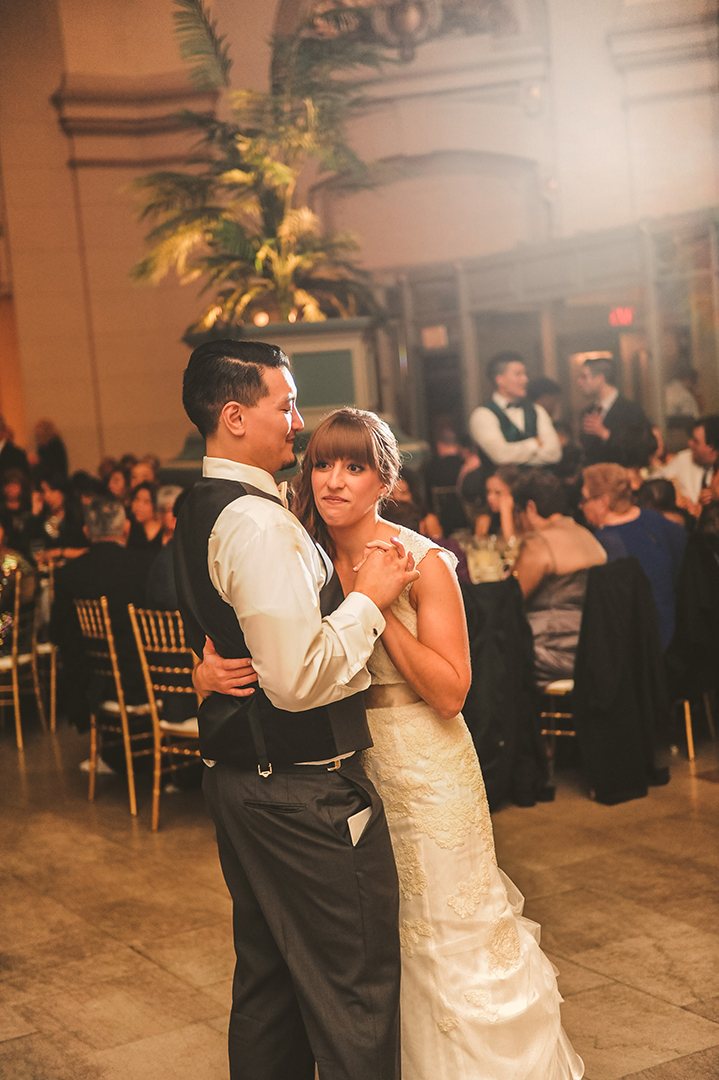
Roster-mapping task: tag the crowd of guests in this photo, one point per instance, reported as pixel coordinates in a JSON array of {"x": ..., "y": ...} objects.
[
  {"x": 570, "y": 503},
  {"x": 519, "y": 477}
]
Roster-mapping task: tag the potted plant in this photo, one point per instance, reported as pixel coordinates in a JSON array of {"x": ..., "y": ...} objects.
[{"x": 234, "y": 219}]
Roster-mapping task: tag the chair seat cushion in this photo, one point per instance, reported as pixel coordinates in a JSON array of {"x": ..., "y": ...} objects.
[
  {"x": 132, "y": 710},
  {"x": 560, "y": 686},
  {"x": 187, "y": 727},
  {"x": 6, "y": 661}
]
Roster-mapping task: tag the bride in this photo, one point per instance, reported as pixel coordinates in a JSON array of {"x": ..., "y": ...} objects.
[{"x": 479, "y": 998}]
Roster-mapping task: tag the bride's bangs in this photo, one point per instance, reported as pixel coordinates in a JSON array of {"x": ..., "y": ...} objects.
[{"x": 342, "y": 437}]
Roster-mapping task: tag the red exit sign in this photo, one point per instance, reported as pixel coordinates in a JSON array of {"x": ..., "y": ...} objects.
[{"x": 621, "y": 316}]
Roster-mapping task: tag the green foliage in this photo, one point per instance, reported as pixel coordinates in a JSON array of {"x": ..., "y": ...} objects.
[
  {"x": 202, "y": 45},
  {"x": 233, "y": 219}
]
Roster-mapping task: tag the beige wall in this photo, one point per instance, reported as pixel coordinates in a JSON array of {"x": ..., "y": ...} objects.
[{"x": 587, "y": 116}]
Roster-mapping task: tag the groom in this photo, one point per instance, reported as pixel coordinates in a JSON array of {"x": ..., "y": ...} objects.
[{"x": 301, "y": 832}]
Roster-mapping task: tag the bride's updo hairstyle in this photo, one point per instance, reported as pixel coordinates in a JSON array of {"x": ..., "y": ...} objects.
[{"x": 346, "y": 434}]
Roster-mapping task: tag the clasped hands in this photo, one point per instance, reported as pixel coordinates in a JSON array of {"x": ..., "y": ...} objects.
[
  {"x": 382, "y": 572},
  {"x": 592, "y": 425}
]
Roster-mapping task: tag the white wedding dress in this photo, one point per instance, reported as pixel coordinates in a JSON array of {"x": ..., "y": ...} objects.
[{"x": 479, "y": 997}]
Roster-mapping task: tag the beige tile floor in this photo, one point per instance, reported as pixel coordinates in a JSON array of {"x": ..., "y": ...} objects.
[{"x": 115, "y": 946}]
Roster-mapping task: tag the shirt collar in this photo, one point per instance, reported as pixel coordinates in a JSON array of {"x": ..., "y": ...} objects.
[
  {"x": 224, "y": 469},
  {"x": 505, "y": 403},
  {"x": 609, "y": 401}
]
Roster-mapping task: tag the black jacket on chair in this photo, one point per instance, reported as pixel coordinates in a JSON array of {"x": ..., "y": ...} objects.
[
  {"x": 620, "y": 698},
  {"x": 693, "y": 656},
  {"x": 502, "y": 707},
  {"x": 111, "y": 570},
  {"x": 630, "y": 434}
]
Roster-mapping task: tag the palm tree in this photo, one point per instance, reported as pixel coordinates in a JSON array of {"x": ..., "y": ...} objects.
[{"x": 233, "y": 219}]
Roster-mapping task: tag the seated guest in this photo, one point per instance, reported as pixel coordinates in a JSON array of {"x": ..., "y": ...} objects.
[
  {"x": 51, "y": 457},
  {"x": 509, "y": 429},
  {"x": 116, "y": 484},
  {"x": 106, "y": 569},
  {"x": 15, "y": 507},
  {"x": 626, "y": 530},
  {"x": 692, "y": 470},
  {"x": 441, "y": 475},
  {"x": 552, "y": 569},
  {"x": 167, "y": 496},
  {"x": 11, "y": 456},
  {"x": 660, "y": 495},
  {"x": 54, "y": 531},
  {"x": 146, "y": 525},
  {"x": 144, "y": 470},
  {"x": 497, "y": 517},
  {"x": 161, "y": 590},
  {"x": 471, "y": 461},
  {"x": 407, "y": 508},
  {"x": 10, "y": 562}
]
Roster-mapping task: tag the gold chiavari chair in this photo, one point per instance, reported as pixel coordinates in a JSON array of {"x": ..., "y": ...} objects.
[
  {"x": 556, "y": 691},
  {"x": 45, "y": 650},
  {"x": 167, "y": 665},
  {"x": 18, "y": 670},
  {"x": 109, "y": 723}
]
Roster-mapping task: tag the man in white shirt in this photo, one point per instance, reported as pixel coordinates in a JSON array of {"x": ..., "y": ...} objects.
[
  {"x": 679, "y": 394},
  {"x": 301, "y": 832},
  {"x": 508, "y": 429},
  {"x": 692, "y": 469}
]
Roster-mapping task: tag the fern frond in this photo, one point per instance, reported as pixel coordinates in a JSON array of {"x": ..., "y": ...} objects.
[{"x": 202, "y": 45}]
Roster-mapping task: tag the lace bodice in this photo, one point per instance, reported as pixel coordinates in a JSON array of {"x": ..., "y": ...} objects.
[{"x": 380, "y": 666}]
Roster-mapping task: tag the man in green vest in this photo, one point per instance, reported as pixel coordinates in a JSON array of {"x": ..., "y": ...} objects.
[{"x": 509, "y": 429}]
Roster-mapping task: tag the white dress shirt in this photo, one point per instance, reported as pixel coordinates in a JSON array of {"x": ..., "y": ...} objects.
[
  {"x": 680, "y": 401},
  {"x": 266, "y": 566},
  {"x": 686, "y": 474},
  {"x": 486, "y": 431},
  {"x": 606, "y": 403}
]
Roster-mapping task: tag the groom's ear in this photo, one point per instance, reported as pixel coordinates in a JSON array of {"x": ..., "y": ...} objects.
[{"x": 233, "y": 417}]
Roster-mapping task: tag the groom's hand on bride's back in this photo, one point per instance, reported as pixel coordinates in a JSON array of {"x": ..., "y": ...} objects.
[
  {"x": 384, "y": 572},
  {"x": 222, "y": 676}
]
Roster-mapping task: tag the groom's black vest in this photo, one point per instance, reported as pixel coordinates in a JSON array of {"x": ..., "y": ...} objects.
[{"x": 225, "y": 732}]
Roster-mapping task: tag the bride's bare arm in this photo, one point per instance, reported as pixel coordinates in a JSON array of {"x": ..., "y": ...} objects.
[{"x": 436, "y": 663}]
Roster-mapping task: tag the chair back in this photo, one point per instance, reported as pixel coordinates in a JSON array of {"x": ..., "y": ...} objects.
[
  {"x": 23, "y": 626},
  {"x": 165, "y": 656},
  {"x": 96, "y": 629}
]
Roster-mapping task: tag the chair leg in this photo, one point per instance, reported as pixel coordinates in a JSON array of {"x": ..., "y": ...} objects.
[
  {"x": 93, "y": 758},
  {"x": 130, "y": 770},
  {"x": 38, "y": 692},
  {"x": 53, "y": 690},
  {"x": 16, "y": 704},
  {"x": 710, "y": 718},
  {"x": 688, "y": 726},
  {"x": 157, "y": 777}
]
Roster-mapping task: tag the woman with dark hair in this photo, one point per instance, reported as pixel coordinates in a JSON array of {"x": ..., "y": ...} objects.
[
  {"x": 497, "y": 516},
  {"x": 54, "y": 531},
  {"x": 146, "y": 523},
  {"x": 661, "y": 495},
  {"x": 552, "y": 569}
]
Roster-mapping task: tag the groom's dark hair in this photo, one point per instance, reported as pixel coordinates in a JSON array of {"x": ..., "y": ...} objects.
[{"x": 225, "y": 370}]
